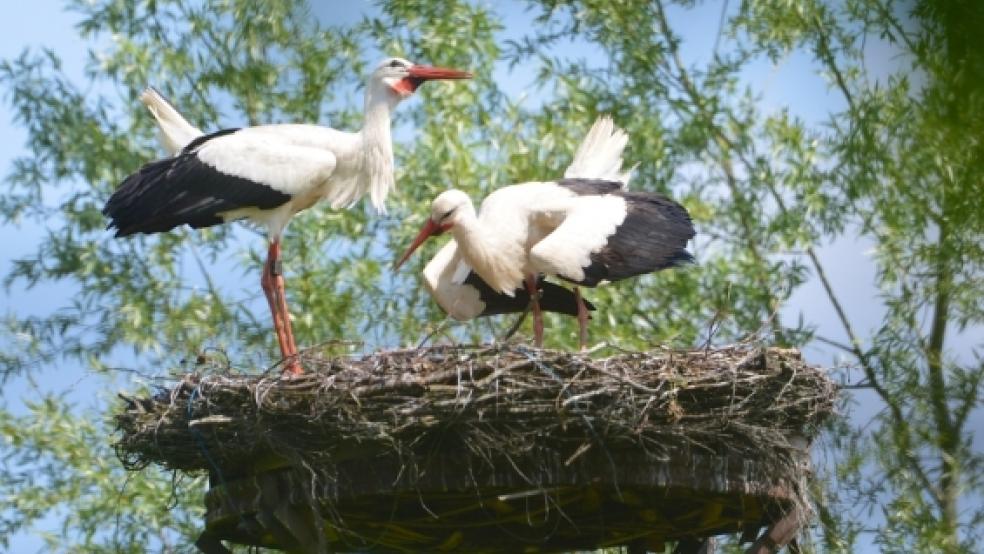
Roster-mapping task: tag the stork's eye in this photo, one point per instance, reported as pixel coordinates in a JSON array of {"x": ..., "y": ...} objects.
[
  {"x": 447, "y": 213},
  {"x": 396, "y": 63}
]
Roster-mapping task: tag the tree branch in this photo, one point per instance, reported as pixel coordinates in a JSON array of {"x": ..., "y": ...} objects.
[
  {"x": 836, "y": 344},
  {"x": 726, "y": 147},
  {"x": 826, "y": 54},
  {"x": 949, "y": 440},
  {"x": 971, "y": 400}
]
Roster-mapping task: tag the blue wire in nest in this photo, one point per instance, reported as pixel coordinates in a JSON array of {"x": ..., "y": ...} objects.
[
  {"x": 552, "y": 373},
  {"x": 200, "y": 439}
]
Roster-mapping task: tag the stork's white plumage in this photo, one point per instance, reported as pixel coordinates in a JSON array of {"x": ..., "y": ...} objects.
[
  {"x": 267, "y": 174},
  {"x": 600, "y": 154},
  {"x": 588, "y": 231}
]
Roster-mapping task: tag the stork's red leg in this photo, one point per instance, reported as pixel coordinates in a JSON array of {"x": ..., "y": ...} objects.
[
  {"x": 293, "y": 365},
  {"x": 582, "y": 320},
  {"x": 267, "y": 282},
  {"x": 273, "y": 285},
  {"x": 285, "y": 315},
  {"x": 537, "y": 314}
]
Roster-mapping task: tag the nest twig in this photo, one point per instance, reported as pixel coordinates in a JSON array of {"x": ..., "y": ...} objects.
[{"x": 727, "y": 400}]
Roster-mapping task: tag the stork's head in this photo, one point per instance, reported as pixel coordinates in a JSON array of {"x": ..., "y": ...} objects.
[
  {"x": 403, "y": 77},
  {"x": 449, "y": 207},
  {"x": 446, "y": 210}
]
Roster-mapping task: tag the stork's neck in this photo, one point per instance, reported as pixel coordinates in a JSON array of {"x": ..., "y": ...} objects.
[
  {"x": 377, "y": 143},
  {"x": 380, "y": 103}
]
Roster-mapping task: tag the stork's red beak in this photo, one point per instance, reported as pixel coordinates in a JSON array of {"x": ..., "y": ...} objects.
[
  {"x": 429, "y": 73},
  {"x": 430, "y": 229},
  {"x": 420, "y": 73}
]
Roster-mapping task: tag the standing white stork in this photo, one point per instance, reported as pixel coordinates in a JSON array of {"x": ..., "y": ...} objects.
[
  {"x": 588, "y": 231},
  {"x": 267, "y": 174}
]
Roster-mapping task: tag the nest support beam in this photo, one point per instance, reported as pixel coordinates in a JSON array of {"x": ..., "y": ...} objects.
[
  {"x": 267, "y": 510},
  {"x": 290, "y": 528},
  {"x": 781, "y": 533}
]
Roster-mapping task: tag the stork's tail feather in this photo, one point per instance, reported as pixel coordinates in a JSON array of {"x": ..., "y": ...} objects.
[
  {"x": 600, "y": 154},
  {"x": 176, "y": 132},
  {"x": 681, "y": 258}
]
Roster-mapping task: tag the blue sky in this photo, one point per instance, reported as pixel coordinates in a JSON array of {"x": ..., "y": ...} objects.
[{"x": 792, "y": 84}]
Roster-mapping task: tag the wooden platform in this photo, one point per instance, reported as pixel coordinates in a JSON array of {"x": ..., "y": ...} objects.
[{"x": 598, "y": 500}]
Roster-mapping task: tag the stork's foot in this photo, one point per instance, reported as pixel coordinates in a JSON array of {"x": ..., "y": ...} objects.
[
  {"x": 582, "y": 320},
  {"x": 292, "y": 369},
  {"x": 537, "y": 313}
]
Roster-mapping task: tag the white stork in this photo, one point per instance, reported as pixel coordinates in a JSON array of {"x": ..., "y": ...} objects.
[
  {"x": 585, "y": 228},
  {"x": 463, "y": 295},
  {"x": 267, "y": 174}
]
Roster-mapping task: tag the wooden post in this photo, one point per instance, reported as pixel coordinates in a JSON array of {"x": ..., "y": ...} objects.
[
  {"x": 293, "y": 525},
  {"x": 210, "y": 544},
  {"x": 779, "y": 534},
  {"x": 268, "y": 509}
]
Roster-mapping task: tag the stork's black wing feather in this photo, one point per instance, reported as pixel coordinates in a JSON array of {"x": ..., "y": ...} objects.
[
  {"x": 653, "y": 235},
  {"x": 553, "y": 298},
  {"x": 183, "y": 189}
]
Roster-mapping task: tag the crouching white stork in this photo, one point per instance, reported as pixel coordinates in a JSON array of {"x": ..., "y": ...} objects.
[
  {"x": 267, "y": 174},
  {"x": 586, "y": 231},
  {"x": 463, "y": 295}
]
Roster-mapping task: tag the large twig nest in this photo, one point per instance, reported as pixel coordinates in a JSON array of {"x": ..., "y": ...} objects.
[{"x": 497, "y": 448}]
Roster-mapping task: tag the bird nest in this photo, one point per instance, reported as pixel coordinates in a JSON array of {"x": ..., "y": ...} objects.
[{"x": 498, "y": 448}]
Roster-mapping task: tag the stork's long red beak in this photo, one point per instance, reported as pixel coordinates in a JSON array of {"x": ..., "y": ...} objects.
[
  {"x": 428, "y": 73},
  {"x": 430, "y": 229},
  {"x": 417, "y": 74}
]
